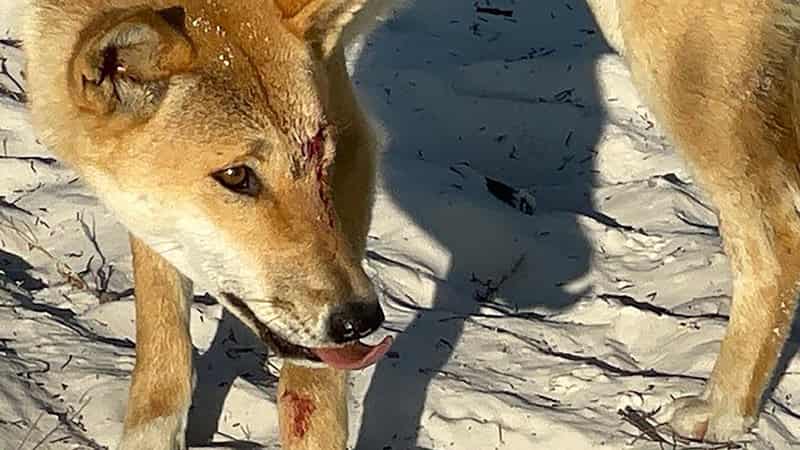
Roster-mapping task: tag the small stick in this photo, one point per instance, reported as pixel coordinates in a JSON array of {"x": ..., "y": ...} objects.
[
  {"x": 494, "y": 11},
  {"x": 30, "y": 431}
]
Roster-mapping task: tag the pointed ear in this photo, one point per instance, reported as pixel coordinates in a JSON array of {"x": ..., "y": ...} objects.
[
  {"x": 321, "y": 22},
  {"x": 124, "y": 61}
]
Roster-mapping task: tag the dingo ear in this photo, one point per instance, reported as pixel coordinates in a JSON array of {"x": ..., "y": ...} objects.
[
  {"x": 320, "y": 22},
  {"x": 124, "y": 61}
]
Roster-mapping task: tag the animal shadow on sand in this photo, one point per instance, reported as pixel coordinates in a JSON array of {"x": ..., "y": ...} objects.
[
  {"x": 234, "y": 352},
  {"x": 476, "y": 109},
  {"x": 509, "y": 100}
]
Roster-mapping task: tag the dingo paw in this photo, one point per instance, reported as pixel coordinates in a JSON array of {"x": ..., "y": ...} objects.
[
  {"x": 162, "y": 433},
  {"x": 698, "y": 419}
]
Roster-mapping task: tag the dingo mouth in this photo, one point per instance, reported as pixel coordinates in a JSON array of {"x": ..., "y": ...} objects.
[{"x": 353, "y": 355}]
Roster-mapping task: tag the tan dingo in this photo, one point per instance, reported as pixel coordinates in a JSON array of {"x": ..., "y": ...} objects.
[
  {"x": 723, "y": 77},
  {"x": 226, "y": 136}
]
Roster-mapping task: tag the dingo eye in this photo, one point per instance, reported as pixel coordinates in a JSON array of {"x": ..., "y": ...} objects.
[{"x": 239, "y": 179}]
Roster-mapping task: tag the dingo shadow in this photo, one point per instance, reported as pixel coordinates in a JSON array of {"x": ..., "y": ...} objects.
[
  {"x": 498, "y": 104},
  {"x": 234, "y": 352},
  {"x": 17, "y": 270},
  {"x": 788, "y": 353}
]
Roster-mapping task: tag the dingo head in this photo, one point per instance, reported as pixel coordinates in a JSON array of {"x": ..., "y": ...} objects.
[{"x": 211, "y": 129}]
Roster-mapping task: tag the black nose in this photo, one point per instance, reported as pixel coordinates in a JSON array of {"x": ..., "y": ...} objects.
[{"x": 354, "y": 320}]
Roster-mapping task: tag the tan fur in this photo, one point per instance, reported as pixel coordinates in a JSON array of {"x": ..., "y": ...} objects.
[
  {"x": 149, "y": 105},
  {"x": 722, "y": 77},
  {"x": 313, "y": 408},
  {"x": 164, "y": 349}
]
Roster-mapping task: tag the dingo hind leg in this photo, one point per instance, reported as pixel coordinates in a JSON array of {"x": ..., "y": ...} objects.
[
  {"x": 760, "y": 222},
  {"x": 724, "y": 88},
  {"x": 161, "y": 389},
  {"x": 765, "y": 289}
]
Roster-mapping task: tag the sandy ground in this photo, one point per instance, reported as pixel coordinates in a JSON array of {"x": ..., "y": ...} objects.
[{"x": 525, "y": 318}]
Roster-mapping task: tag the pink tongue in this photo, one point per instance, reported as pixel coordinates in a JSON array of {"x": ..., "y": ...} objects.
[{"x": 354, "y": 356}]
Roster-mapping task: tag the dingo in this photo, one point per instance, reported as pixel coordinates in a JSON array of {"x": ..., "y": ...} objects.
[
  {"x": 227, "y": 138},
  {"x": 723, "y": 77}
]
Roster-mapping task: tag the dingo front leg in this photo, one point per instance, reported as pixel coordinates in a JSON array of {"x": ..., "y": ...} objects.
[
  {"x": 161, "y": 389},
  {"x": 313, "y": 408}
]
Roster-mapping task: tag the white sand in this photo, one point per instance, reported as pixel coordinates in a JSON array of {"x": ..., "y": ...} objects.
[{"x": 616, "y": 286}]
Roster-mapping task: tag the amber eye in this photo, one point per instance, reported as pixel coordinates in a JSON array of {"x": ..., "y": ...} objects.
[{"x": 239, "y": 179}]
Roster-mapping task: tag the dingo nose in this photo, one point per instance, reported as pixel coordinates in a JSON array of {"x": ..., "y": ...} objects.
[{"x": 354, "y": 320}]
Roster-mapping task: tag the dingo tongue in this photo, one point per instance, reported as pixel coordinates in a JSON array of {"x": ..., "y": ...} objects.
[{"x": 353, "y": 356}]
